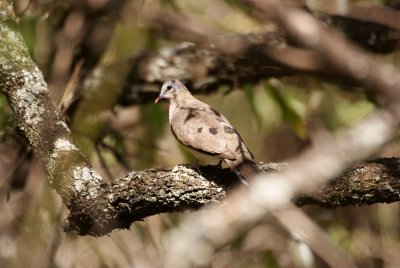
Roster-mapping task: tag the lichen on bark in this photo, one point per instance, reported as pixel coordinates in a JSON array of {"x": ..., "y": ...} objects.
[{"x": 97, "y": 208}]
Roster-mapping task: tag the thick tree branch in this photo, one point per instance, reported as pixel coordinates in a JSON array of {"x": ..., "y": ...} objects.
[
  {"x": 205, "y": 69},
  {"x": 233, "y": 60},
  {"x": 274, "y": 192},
  {"x": 369, "y": 182},
  {"x": 95, "y": 207},
  {"x": 317, "y": 165},
  {"x": 154, "y": 191},
  {"x": 139, "y": 195}
]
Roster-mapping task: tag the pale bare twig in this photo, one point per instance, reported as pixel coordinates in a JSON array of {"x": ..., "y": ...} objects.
[
  {"x": 69, "y": 93},
  {"x": 199, "y": 235},
  {"x": 303, "y": 228},
  {"x": 195, "y": 240}
]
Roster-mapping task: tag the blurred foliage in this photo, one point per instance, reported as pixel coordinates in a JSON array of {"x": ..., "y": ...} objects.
[
  {"x": 153, "y": 122},
  {"x": 340, "y": 109},
  {"x": 27, "y": 27},
  {"x": 7, "y": 121},
  {"x": 251, "y": 96},
  {"x": 275, "y": 118},
  {"x": 292, "y": 110}
]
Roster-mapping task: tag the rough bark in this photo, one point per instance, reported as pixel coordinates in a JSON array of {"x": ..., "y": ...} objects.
[
  {"x": 154, "y": 191},
  {"x": 97, "y": 208},
  {"x": 220, "y": 61},
  {"x": 369, "y": 182},
  {"x": 139, "y": 195},
  {"x": 328, "y": 157},
  {"x": 37, "y": 117},
  {"x": 203, "y": 69}
]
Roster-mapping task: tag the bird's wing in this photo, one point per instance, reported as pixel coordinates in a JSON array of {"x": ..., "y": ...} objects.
[{"x": 203, "y": 129}]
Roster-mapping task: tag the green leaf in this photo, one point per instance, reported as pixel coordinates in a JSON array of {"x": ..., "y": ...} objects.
[
  {"x": 152, "y": 124},
  {"x": 252, "y": 98},
  {"x": 290, "y": 115}
]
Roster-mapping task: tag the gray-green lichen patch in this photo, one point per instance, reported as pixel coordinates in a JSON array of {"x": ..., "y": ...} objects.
[
  {"x": 21, "y": 77},
  {"x": 63, "y": 125},
  {"x": 28, "y": 97},
  {"x": 6, "y": 10},
  {"x": 87, "y": 181},
  {"x": 63, "y": 144},
  {"x": 184, "y": 173},
  {"x": 12, "y": 48}
]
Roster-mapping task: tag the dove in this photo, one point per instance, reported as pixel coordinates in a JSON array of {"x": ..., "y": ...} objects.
[{"x": 206, "y": 133}]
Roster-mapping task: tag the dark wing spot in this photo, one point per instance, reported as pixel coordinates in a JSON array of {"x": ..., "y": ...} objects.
[
  {"x": 213, "y": 130},
  {"x": 192, "y": 113},
  {"x": 229, "y": 130},
  {"x": 215, "y": 112},
  {"x": 194, "y": 148},
  {"x": 199, "y": 129}
]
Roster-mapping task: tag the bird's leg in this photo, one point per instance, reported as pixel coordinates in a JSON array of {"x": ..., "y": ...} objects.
[
  {"x": 197, "y": 165},
  {"x": 240, "y": 177},
  {"x": 219, "y": 165}
]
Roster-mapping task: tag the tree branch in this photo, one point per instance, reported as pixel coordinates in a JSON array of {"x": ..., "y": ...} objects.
[
  {"x": 232, "y": 60},
  {"x": 369, "y": 182},
  {"x": 95, "y": 207},
  {"x": 153, "y": 191},
  {"x": 318, "y": 165}
]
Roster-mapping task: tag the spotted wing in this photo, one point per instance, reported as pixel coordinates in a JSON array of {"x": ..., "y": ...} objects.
[{"x": 207, "y": 131}]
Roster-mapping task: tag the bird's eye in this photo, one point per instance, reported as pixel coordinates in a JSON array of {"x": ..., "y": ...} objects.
[{"x": 169, "y": 87}]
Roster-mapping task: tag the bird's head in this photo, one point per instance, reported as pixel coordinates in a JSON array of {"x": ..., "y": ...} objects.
[{"x": 171, "y": 89}]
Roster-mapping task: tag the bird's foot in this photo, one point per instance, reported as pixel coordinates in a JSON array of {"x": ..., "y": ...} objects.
[{"x": 197, "y": 166}]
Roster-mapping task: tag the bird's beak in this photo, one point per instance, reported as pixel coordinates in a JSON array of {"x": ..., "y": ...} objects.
[{"x": 158, "y": 99}]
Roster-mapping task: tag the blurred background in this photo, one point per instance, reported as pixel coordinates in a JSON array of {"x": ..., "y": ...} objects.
[{"x": 86, "y": 50}]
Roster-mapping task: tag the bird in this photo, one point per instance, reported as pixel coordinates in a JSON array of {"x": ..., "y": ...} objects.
[{"x": 205, "y": 132}]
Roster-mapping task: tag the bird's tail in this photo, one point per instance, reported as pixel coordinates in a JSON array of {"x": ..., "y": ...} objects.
[{"x": 246, "y": 170}]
